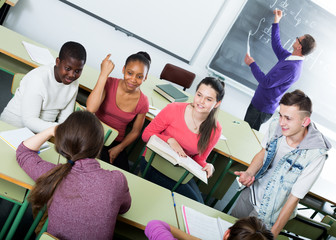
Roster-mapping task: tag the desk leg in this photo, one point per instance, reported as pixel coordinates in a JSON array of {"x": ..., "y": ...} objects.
[
  {"x": 148, "y": 164},
  {"x": 18, "y": 218},
  {"x": 220, "y": 178},
  {"x": 9, "y": 220},
  {"x": 180, "y": 181}
]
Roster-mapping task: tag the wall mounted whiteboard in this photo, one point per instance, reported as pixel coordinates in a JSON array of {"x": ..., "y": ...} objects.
[{"x": 176, "y": 27}]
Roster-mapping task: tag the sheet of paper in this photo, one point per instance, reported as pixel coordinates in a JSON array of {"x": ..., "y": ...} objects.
[
  {"x": 14, "y": 137},
  {"x": 223, "y": 226},
  {"x": 200, "y": 225},
  {"x": 248, "y": 43},
  {"x": 38, "y": 54},
  {"x": 222, "y": 137},
  {"x": 153, "y": 110}
]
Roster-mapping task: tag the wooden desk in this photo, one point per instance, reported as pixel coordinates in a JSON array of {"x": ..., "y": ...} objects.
[
  {"x": 182, "y": 200},
  {"x": 15, "y": 59}
]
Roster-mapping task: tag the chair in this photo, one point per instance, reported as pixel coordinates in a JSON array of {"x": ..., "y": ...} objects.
[
  {"x": 332, "y": 222},
  {"x": 307, "y": 228},
  {"x": 109, "y": 133},
  {"x": 16, "y": 82},
  {"x": 177, "y": 75}
]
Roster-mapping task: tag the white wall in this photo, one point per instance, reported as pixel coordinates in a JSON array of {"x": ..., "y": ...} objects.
[{"x": 52, "y": 23}]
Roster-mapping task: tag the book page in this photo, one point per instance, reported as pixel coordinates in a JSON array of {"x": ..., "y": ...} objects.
[
  {"x": 163, "y": 149},
  {"x": 14, "y": 137},
  {"x": 39, "y": 54},
  {"x": 193, "y": 167},
  {"x": 223, "y": 226},
  {"x": 200, "y": 225}
]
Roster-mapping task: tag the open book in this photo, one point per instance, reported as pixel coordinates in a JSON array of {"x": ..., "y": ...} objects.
[
  {"x": 164, "y": 150},
  {"x": 203, "y": 226},
  {"x": 14, "y": 137}
]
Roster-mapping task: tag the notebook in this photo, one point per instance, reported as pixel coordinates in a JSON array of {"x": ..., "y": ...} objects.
[
  {"x": 14, "y": 137},
  {"x": 171, "y": 93},
  {"x": 203, "y": 226}
]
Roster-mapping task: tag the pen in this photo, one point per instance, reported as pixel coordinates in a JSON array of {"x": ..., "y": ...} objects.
[{"x": 178, "y": 224}]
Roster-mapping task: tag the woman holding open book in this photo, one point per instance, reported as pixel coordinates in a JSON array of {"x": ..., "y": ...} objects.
[{"x": 190, "y": 129}]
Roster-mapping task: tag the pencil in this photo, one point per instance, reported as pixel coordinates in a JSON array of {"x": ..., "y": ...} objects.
[{"x": 178, "y": 224}]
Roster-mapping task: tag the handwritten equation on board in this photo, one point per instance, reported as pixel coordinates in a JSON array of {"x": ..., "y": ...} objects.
[{"x": 264, "y": 33}]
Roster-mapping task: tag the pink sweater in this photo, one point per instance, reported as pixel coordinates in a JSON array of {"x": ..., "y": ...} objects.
[
  {"x": 170, "y": 123},
  {"x": 86, "y": 203},
  {"x": 112, "y": 115}
]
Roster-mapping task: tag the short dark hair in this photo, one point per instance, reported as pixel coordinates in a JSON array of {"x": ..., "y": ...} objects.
[
  {"x": 308, "y": 44},
  {"x": 73, "y": 50},
  {"x": 250, "y": 228},
  {"x": 298, "y": 98},
  {"x": 140, "y": 56}
]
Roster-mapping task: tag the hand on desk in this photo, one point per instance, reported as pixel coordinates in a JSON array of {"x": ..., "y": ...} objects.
[{"x": 245, "y": 178}]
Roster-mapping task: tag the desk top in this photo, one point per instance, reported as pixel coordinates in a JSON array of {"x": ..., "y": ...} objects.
[
  {"x": 211, "y": 212},
  {"x": 11, "y": 45},
  {"x": 12, "y": 2}
]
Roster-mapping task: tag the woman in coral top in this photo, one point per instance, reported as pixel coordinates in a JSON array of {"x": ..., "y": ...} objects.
[
  {"x": 117, "y": 102},
  {"x": 190, "y": 129}
]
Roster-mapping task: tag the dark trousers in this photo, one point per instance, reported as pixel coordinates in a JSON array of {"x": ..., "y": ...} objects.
[
  {"x": 122, "y": 159},
  {"x": 255, "y": 118},
  {"x": 189, "y": 189}
]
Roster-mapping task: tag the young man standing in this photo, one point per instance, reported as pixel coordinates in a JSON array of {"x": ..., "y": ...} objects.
[
  {"x": 282, "y": 173},
  {"x": 276, "y": 82}
]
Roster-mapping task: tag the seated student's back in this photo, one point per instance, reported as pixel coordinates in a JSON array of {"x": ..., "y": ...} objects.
[{"x": 83, "y": 199}]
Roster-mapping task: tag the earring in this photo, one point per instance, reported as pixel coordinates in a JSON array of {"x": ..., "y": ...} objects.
[{"x": 303, "y": 126}]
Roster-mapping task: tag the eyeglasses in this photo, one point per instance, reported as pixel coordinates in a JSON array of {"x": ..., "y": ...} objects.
[{"x": 299, "y": 40}]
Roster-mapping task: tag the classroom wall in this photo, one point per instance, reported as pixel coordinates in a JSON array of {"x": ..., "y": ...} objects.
[{"x": 52, "y": 23}]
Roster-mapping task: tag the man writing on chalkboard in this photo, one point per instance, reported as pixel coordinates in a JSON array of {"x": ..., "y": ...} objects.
[{"x": 276, "y": 82}]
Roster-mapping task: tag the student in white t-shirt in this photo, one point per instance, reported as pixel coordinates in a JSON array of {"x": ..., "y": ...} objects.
[
  {"x": 282, "y": 173},
  {"x": 47, "y": 94}
]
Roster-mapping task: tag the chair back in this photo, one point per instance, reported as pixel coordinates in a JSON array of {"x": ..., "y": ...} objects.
[
  {"x": 332, "y": 222},
  {"x": 109, "y": 133},
  {"x": 168, "y": 169},
  {"x": 307, "y": 227},
  {"x": 177, "y": 75},
  {"x": 16, "y": 81}
]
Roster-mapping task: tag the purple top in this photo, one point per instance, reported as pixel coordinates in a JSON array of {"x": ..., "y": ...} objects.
[
  {"x": 86, "y": 203},
  {"x": 157, "y": 230},
  {"x": 275, "y": 83}
]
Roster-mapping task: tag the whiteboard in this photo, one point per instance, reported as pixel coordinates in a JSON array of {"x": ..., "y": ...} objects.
[{"x": 176, "y": 27}]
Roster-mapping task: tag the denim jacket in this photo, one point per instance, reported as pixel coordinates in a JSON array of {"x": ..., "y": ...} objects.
[{"x": 289, "y": 168}]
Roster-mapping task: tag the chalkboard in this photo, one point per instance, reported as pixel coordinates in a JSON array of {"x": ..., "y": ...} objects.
[
  {"x": 176, "y": 27},
  {"x": 299, "y": 17}
]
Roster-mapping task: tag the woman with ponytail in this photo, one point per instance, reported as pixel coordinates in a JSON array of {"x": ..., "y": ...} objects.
[
  {"x": 80, "y": 204},
  {"x": 190, "y": 129}
]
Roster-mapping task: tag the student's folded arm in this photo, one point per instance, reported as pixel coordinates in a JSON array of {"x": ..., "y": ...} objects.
[
  {"x": 64, "y": 113},
  {"x": 158, "y": 125},
  {"x": 31, "y": 110}
]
